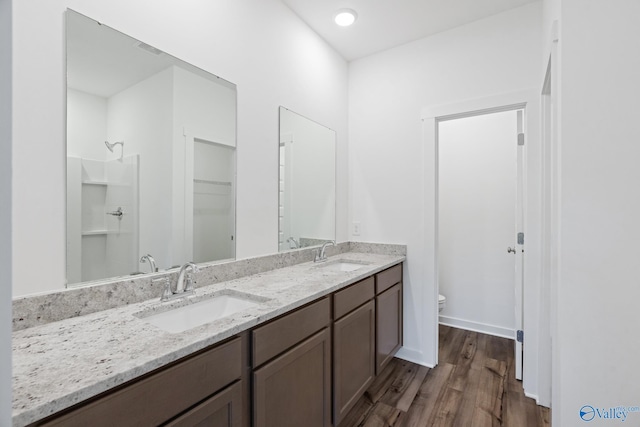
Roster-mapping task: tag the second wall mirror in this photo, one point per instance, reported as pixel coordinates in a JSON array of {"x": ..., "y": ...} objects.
[{"x": 307, "y": 182}]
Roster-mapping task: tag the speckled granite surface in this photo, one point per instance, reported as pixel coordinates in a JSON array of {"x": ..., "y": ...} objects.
[
  {"x": 58, "y": 364},
  {"x": 37, "y": 310}
]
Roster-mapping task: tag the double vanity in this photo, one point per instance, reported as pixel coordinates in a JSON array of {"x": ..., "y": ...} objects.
[
  {"x": 287, "y": 342},
  {"x": 290, "y": 339}
]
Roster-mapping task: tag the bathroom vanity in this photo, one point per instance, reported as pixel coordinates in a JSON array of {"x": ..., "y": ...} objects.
[{"x": 302, "y": 355}]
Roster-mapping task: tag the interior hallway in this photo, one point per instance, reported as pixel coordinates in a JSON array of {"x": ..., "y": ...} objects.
[{"x": 473, "y": 385}]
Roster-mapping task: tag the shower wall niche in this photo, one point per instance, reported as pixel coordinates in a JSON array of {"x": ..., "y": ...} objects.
[{"x": 102, "y": 218}]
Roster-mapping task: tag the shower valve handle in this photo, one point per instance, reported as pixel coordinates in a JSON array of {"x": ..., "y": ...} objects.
[{"x": 118, "y": 212}]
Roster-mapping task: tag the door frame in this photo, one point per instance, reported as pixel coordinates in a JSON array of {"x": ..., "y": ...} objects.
[
  {"x": 530, "y": 101},
  {"x": 550, "y": 230}
]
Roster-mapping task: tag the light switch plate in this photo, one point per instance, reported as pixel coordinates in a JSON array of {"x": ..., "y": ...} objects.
[{"x": 356, "y": 228}]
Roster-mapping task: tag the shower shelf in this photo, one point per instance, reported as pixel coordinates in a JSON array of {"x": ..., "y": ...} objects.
[
  {"x": 95, "y": 232},
  {"x": 211, "y": 182}
]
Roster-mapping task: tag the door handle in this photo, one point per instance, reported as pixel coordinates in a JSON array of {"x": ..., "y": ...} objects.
[{"x": 511, "y": 250}]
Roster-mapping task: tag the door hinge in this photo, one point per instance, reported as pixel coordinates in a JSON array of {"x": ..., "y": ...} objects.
[
  {"x": 521, "y": 238},
  {"x": 520, "y": 336},
  {"x": 521, "y": 139}
]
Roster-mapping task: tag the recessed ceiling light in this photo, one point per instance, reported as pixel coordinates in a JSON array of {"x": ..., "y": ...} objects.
[{"x": 345, "y": 17}]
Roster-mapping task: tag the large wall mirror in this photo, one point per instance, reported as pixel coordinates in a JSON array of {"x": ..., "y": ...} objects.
[
  {"x": 151, "y": 146},
  {"x": 307, "y": 184}
]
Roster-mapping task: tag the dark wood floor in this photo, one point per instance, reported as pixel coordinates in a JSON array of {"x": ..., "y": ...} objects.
[{"x": 473, "y": 385}]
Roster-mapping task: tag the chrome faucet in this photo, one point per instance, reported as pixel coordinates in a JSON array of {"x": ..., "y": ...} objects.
[
  {"x": 152, "y": 262},
  {"x": 320, "y": 255},
  {"x": 183, "y": 285}
]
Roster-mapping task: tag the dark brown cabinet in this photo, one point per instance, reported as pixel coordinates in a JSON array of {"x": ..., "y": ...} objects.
[
  {"x": 294, "y": 388},
  {"x": 388, "y": 315},
  {"x": 353, "y": 357}
]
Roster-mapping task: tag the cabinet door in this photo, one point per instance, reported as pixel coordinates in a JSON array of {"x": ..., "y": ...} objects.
[
  {"x": 388, "y": 325},
  {"x": 294, "y": 389},
  {"x": 224, "y": 409},
  {"x": 353, "y": 357},
  {"x": 283, "y": 333}
]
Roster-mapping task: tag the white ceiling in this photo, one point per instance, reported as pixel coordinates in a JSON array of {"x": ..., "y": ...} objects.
[{"x": 383, "y": 24}]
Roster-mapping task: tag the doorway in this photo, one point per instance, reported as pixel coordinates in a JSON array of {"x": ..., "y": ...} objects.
[
  {"x": 209, "y": 201},
  {"x": 480, "y": 214},
  {"x": 528, "y": 296}
]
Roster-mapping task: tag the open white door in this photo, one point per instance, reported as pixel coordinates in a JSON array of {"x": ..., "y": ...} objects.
[{"x": 519, "y": 248}]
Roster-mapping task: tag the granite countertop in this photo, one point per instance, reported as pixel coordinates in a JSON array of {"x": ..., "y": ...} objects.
[{"x": 59, "y": 364}]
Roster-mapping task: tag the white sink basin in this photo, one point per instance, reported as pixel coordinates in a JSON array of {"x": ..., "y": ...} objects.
[
  {"x": 185, "y": 317},
  {"x": 342, "y": 265}
]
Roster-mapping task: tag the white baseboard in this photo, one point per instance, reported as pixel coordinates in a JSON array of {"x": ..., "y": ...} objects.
[
  {"x": 532, "y": 396},
  {"x": 537, "y": 399},
  {"x": 484, "y": 328},
  {"x": 413, "y": 356}
]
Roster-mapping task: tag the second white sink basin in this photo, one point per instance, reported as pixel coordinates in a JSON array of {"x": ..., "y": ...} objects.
[
  {"x": 342, "y": 265},
  {"x": 189, "y": 316}
]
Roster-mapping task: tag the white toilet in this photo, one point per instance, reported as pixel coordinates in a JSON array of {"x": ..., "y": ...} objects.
[{"x": 442, "y": 301}]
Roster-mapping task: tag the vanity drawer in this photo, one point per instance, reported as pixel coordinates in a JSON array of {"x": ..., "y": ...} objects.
[
  {"x": 279, "y": 335},
  {"x": 353, "y": 297},
  {"x": 387, "y": 278},
  {"x": 159, "y": 396},
  {"x": 224, "y": 409}
]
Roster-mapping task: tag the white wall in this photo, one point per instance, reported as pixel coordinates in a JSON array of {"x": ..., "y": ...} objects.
[
  {"x": 477, "y": 221},
  {"x": 5, "y": 214},
  {"x": 207, "y": 109},
  {"x": 596, "y": 345},
  {"x": 260, "y": 45},
  {"x": 387, "y": 175},
  {"x": 87, "y": 125}
]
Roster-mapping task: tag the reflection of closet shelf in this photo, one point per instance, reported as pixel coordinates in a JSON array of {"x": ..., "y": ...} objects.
[
  {"x": 210, "y": 211},
  {"x": 103, "y": 232},
  {"x": 208, "y": 181},
  {"x": 202, "y": 193}
]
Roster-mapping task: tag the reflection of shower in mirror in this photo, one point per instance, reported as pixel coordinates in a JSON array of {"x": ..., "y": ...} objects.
[
  {"x": 111, "y": 145},
  {"x": 187, "y": 212}
]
